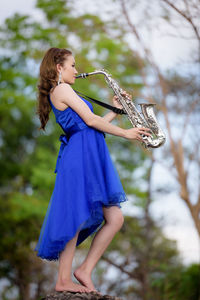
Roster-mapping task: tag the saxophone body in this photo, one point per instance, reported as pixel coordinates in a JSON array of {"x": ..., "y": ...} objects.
[{"x": 148, "y": 119}]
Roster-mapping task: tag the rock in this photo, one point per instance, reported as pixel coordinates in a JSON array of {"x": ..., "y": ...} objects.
[{"x": 78, "y": 296}]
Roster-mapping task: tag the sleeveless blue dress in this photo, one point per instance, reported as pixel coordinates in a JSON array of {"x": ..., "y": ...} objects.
[{"x": 86, "y": 180}]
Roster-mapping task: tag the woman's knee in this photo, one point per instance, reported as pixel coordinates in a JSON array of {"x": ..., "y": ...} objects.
[
  {"x": 113, "y": 216},
  {"x": 120, "y": 221}
]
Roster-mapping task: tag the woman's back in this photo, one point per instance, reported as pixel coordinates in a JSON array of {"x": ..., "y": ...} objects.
[{"x": 68, "y": 119}]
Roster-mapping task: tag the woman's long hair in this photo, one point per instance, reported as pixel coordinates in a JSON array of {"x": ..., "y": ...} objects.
[{"x": 48, "y": 81}]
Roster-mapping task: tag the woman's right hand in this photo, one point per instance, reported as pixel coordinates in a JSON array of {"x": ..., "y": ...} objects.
[{"x": 136, "y": 133}]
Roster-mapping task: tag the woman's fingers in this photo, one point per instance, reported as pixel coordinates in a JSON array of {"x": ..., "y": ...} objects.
[
  {"x": 139, "y": 138},
  {"x": 144, "y": 132},
  {"x": 139, "y": 133},
  {"x": 116, "y": 98},
  {"x": 126, "y": 94},
  {"x": 144, "y": 128}
]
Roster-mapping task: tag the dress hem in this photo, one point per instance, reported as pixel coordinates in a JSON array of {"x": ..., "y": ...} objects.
[{"x": 86, "y": 228}]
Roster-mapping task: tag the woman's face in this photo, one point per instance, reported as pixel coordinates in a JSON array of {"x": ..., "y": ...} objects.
[{"x": 68, "y": 70}]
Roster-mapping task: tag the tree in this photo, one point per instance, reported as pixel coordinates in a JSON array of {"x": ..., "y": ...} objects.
[
  {"x": 176, "y": 93},
  {"x": 182, "y": 92}
]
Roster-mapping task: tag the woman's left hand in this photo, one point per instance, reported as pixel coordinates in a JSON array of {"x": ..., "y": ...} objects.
[{"x": 116, "y": 102}]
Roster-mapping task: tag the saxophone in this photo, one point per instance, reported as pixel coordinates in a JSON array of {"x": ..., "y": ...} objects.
[{"x": 148, "y": 120}]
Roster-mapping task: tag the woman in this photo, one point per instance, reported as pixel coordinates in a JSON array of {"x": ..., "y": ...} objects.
[{"x": 87, "y": 188}]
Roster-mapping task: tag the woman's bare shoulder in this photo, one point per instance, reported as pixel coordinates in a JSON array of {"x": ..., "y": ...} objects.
[
  {"x": 57, "y": 93},
  {"x": 62, "y": 88}
]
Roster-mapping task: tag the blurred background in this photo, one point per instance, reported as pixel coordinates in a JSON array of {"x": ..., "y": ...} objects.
[{"x": 152, "y": 49}]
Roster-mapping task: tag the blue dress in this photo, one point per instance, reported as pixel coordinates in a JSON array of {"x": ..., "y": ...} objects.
[{"x": 86, "y": 180}]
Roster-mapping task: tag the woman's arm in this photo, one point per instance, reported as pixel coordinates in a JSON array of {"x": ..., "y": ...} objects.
[
  {"x": 110, "y": 116},
  {"x": 65, "y": 94}
]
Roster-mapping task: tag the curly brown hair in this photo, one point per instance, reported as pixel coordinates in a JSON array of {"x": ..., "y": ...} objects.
[{"x": 48, "y": 81}]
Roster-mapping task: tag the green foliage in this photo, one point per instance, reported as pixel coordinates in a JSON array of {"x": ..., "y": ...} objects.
[{"x": 182, "y": 283}]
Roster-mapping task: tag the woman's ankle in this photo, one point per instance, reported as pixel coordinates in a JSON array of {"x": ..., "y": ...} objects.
[
  {"x": 84, "y": 268},
  {"x": 63, "y": 280}
]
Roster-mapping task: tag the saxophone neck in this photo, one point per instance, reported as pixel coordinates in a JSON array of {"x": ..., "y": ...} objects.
[{"x": 102, "y": 71}]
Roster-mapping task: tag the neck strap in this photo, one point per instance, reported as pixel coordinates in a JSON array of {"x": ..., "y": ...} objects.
[{"x": 115, "y": 109}]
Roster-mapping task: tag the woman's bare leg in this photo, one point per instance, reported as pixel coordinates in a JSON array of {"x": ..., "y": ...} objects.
[
  {"x": 64, "y": 281},
  {"x": 113, "y": 222}
]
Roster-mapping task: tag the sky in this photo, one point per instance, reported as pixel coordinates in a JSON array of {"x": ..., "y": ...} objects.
[{"x": 168, "y": 52}]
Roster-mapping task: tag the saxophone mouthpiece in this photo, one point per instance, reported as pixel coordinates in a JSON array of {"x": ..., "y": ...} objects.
[{"x": 82, "y": 75}]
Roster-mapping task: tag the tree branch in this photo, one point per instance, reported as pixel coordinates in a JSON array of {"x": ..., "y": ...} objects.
[
  {"x": 111, "y": 262},
  {"x": 188, "y": 18}
]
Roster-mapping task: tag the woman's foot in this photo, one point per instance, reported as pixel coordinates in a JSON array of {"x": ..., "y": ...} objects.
[
  {"x": 85, "y": 279},
  {"x": 71, "y": 287}
]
